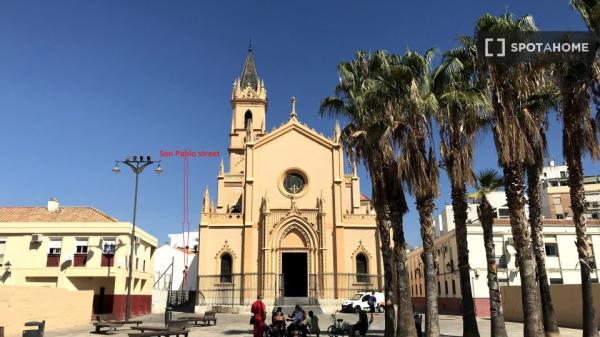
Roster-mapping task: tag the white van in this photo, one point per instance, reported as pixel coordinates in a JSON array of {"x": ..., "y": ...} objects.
[{"x": 361, "y": 300}]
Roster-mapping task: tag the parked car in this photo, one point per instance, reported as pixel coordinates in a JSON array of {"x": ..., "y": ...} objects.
[{"x": 361, "y": 300}]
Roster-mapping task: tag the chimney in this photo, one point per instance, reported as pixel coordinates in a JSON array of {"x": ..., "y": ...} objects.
[{"x": 53, "y": 205}]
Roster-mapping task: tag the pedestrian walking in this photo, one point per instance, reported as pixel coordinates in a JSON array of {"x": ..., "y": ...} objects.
[{"x": 259, "y": 314}]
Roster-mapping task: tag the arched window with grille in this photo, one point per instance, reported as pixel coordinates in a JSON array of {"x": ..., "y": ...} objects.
[
  {"x": 362, "y": 269},
  {"x": 226, "y": 268}
]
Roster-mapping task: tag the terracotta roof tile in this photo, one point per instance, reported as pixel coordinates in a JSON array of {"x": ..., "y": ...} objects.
[
  {"x": 364, "y": 197},
  {"x": 64, "y": 214}
]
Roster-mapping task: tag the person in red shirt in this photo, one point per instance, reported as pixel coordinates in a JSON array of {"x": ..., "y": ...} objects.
[{"x": 259, "y": 311}]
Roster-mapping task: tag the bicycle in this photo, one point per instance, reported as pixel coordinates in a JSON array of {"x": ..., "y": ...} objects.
[{"x": 338, "y": 328}]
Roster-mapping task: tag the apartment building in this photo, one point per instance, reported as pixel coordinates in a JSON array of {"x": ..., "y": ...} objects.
[
  {"x": 556, "y": 201},
  {"x": 559, "y": 236},
  {"x": 76, "y": 248}
]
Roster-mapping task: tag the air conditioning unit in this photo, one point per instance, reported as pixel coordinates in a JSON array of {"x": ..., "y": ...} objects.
[{"x": 36, "y": 238}]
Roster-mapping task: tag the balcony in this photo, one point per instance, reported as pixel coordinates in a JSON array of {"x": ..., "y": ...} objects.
[
  {"x": 53, "y": 260},
  {"x": 79, "y": 260},
  {"x": 108, "y": 260}
]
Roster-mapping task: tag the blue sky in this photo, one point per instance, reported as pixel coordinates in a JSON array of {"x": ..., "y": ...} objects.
[{"x": 83, "y": 83}]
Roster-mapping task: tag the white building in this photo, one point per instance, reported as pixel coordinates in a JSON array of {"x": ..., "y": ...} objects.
[
  {"x": 170, "y": 267},
  {"x": 561, "y": 255},
  {"x": 179, "y": 240},
  {"x": 444, "y": 221}
]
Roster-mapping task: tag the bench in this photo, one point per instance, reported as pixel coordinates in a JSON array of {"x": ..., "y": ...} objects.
[
  {"x": 110, "y": 318},
  {"x": 107, "y": 326},
  {"x": 209, "y": 316},
  {"x": 174, "y": 328},
  {"x": 37, "y": 332},
  {"x": 163, "y": 333}
]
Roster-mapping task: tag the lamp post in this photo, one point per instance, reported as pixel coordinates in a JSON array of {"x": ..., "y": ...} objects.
[{"x": 137, "y": 165}]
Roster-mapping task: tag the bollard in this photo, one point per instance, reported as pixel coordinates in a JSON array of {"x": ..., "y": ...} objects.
[{"x": 168, "y": 315}]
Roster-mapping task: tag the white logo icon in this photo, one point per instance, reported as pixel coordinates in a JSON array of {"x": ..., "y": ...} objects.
[{"x": 502, "y": 52}]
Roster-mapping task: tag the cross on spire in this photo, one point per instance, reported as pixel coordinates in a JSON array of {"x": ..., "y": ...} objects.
[{"x": 293, "y": 113}]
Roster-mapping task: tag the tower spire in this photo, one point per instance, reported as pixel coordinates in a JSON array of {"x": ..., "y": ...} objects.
[{"x": 249, "y": 76}]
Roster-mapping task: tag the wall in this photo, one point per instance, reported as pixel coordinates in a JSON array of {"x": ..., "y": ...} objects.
[
  {"x": 566, "y": 299},
  {"x": 21, "y": 304}
]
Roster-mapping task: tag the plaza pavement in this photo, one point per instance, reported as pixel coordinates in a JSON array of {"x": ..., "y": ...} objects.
[{"x": 237, "y": 325}]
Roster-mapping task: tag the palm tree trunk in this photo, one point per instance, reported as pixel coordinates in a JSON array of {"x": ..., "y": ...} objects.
[
  {"x": 382, "y": 211},
  {"x": 425, "y": 207},
  {"x": 530, "y": 294},
  {"x": 498, "y": 326},
  {"x": 388, "y": 278},
  {"x": 575, "y": 168},
  {"x": 535, "y": 222},
  {"x": 405, "y": 324},
  {"x": 459, "y": 206}
]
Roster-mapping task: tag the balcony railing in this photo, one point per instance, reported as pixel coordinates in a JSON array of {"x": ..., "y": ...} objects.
[
  {"x": 108, "y": 260},
  {"x": 53, "y": 260},
  {"x": 79, "y": 260}
]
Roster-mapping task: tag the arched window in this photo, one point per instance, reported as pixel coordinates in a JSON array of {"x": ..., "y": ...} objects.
[
  {"x": 226, "y": 268},
  {"x": 362, "y": 270},
  {"x": 247, "y": 119}
]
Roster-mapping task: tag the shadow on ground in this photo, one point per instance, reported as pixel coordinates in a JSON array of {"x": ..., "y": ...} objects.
[{"x": 237, "y": 332}]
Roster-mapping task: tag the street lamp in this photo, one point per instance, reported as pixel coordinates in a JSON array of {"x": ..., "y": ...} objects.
[{"x": 137, "y": 165}]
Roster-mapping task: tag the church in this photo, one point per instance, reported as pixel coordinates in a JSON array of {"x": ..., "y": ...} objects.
[{"x": 288, "y": 222}]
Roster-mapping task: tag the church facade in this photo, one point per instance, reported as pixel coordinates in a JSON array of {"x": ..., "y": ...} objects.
[{"x": 288, "y": 221}]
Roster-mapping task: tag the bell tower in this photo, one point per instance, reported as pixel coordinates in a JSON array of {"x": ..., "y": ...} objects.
[{"x": 249, "y": 107}]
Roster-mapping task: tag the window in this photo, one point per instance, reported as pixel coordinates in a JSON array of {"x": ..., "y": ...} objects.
[
  {"x": 453, "y": 288},
  {"x": 226, "y": 268},
  {"x": 556, "y": 281},
  {"x": 560, "y": 216},
  {"x": 503, "y": 212},
  {"x": 446, "y": 287},
  {"x": 563, "y": 174},
  {"x": 361, "y": 268},
  {"x": 55, "y": 246},
  {"x": 439, "y": 289},
  {"x": 247, "y": 119},
  {"x": 81, "y": 246},
  {"x": 54, "y": 249},
  {"x": 420, "y": 290},
  {"x": 2, "y": 248},
  {"x": 551, "y": 249},
  {"x": 293, "y": 183},
  {"x": 81, "y": 250},
  {"x": 109, "y": 246}
]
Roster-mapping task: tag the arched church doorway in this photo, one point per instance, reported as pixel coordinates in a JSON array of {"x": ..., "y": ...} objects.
[
  {"x": 294, "y": 267},
  {"x": 294, "y": 264}
]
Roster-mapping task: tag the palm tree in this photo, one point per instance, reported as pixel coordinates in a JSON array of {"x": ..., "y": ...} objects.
[
  {"x": 463, "y": 104},
  {"x": 405, "y": 86},
  {"x": 538, "y": 105},
  {"x": 488, "y": 181},
  {"x": 362, "y": 137},
  {"x": 576, "y": 82},
  {"x": 510, "y": 87}
]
